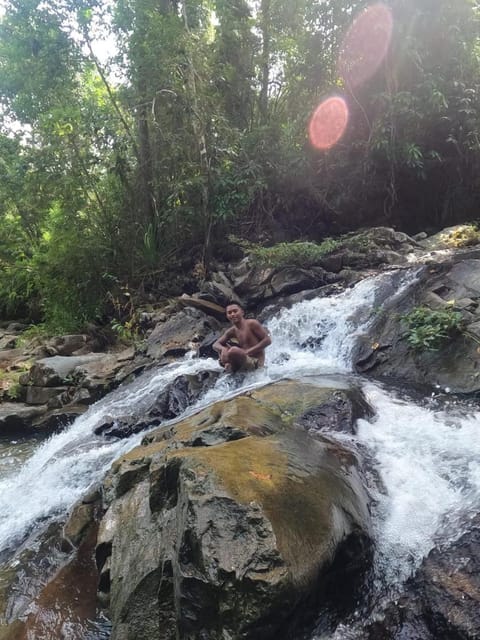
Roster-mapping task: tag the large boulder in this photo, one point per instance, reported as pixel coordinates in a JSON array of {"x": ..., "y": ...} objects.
[
  {"x": 254, "y": 284},
  {"x": 15, "y": 416},
  {"x": 55, "y": 390},
  {"x": 67, "y": 345},
  {"x": 91, "y": 371},
  {"x": 386, "y": 353},
  {"x": 370, "y": 248},
  {"x": 181, "y": 333},
  {"x": 21, "y": 418},
  {"x": 58, "y": 370},
  {"x": 219, "y": 289},
  {"x": 225, "y": 524}
]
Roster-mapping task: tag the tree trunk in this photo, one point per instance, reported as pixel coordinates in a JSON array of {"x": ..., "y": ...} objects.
[
  {"x": 264, "y": 60},
  {"x": 198, "y": 126}
]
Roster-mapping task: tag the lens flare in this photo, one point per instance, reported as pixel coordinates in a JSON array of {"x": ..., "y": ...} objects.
[
  {"x": 328, "y": 123},
  {"x": 365, "y": 45}
]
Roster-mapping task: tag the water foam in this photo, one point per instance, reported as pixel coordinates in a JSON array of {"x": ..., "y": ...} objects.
[{"x": 429, "y": 466}]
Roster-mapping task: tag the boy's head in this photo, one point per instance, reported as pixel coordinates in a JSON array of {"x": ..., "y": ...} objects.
[{"x": 234, "y": 312}]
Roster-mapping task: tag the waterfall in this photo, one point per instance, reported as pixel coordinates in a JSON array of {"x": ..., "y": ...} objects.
[
  {"x": 311, "y": 337},
  {"x": 429, "y": 464},
  {"x": 428, "y": 459},
  {"x": 68, "y": 463}
]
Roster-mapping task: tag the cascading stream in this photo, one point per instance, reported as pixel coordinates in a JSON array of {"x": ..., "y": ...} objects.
[
  {"x": 312, "y": 337},
  {"x": 428, "y": 461},
  {"x": 429, "y": 464}
]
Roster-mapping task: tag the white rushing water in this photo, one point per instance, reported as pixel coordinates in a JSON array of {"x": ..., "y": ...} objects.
[
  {"x": 63, "y": 468},
  {"x": 429, "y": 465},
  {"x": 427, "y": 461}
]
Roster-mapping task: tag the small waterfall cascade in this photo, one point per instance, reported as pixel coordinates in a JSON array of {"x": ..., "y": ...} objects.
[
  {"x": 427, "y": 459},
  {"x": 429, "y": 463}
]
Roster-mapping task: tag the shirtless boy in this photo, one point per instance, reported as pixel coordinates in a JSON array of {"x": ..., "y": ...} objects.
[{"x": 251, "y": 338}]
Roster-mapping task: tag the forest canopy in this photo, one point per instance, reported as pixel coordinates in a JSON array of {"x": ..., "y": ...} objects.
[{"x": 128, "y": 170}]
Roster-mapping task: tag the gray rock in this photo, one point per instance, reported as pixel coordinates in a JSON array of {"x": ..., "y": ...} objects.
[
  {"x": 441, "y": 602},
  {"x": 170, "y": 403},
  {"x": 180, "y": 333},
  {"x": 292, "y": 280},
  {"x": 224, "y": 525},
  {"x": 15, "y": 416},
  {"x": 221, "y": 293},
  {"x": 220, "y": 277},
  {"x": 449, "y": 584},
  {"x": 466, "y": 276},
  {"x": 339, "y": 413},
  {"x": 465, "y": 304},
  {"x": 58, "y": 370},
  {"x": 42, "y": 395},
  {"x": 16, "y": 327},
  {"x": 385, "y": 352},
  {"x": 474, "y": 329},
  {"x": 11, "y": 357},
  {"x": 261, "y": 284},
  {"x": 8, "y": 341},
  {"x": 67, "y": 345},
  {"x": 433, "y": 301},
  {"x": 207, "y": 306},
  {"x": 419, "y": 236},
  {"x": 81, "y": 516},
  {"x": 332, "y": 263},
  {"x": 97, "y": 372}
]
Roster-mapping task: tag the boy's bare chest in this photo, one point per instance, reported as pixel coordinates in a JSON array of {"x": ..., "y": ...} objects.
[{"x": 245, "y": 336}]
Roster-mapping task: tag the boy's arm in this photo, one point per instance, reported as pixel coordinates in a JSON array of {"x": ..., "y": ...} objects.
[{"x": 221, "y": 343}]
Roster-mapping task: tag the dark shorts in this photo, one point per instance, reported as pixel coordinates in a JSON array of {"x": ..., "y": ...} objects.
[{"x": 250, "y": 364}]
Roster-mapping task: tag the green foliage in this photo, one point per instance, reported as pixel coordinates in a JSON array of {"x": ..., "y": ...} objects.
[
  {"x": 287, "y": 254},
  {"x": 127, "y": 331},
  {"x": 10, "y": 387},
  {"x": 429, "y": 329},
  {"x": 13, "y": 392},
  {"x": 465, "y": 235},
  {"x": 126, "y": 321},
  {"x": 19, "y": 292},
  {"x": 72, "y": 291},
  {"x": 115, "y": 170},
  {"x": 35, "y": 333}
]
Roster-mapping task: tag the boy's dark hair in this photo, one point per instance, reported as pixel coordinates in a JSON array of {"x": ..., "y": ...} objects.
[{"x": 234, "y": 302}]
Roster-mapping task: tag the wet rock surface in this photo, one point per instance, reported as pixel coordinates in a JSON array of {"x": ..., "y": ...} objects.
[
  {"x": 386, "y": 353},
  {"x": 449, "y": 586},
  {"x": 47, "y": 590},
  {"x": 441, "y": 602},
  {"x": 176, "y": 396},
  {"x": 228, "y": 522},
  {"x": 180, "y": 333}
]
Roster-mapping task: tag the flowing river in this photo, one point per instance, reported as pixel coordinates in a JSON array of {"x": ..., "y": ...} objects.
[{"x": 426, "y": 453}]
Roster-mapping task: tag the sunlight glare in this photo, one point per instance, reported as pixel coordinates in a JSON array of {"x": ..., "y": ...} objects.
[
  {"x": 366, "y": 44},
  {"x": 328, "y": 123}
]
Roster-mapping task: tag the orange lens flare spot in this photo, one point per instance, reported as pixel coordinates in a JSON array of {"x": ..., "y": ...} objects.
[
  {"x": 366, "y": 44},
  {"x": 328, "y": 123}
]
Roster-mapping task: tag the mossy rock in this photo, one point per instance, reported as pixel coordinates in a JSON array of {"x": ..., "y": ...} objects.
[{"x": 248, "y": 527}]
